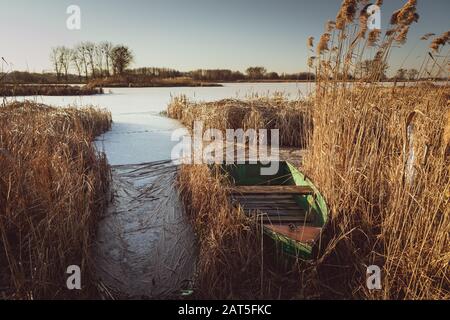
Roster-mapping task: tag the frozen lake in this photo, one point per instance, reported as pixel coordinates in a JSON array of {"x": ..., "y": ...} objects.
[{"x": 139, "y": 133}]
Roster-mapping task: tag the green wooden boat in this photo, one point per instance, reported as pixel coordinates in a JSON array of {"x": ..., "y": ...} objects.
[{"x": 288, "y": 204}]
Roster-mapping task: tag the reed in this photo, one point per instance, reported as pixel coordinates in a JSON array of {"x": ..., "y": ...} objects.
[
  {"x": 384, "y": 212},
  {"x": 46, "y": 90},
  {"x": 142, "y": 81},
  {"x": 276, "y": 112},
  {"x": 53, "y": 187},
  {"x": 232, "y": 263},
  {"x": 380, "y": 157}
]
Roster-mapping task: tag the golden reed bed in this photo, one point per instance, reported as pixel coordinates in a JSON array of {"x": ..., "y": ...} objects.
[
  {"x": 290, "y": 117},
  {"x": 47, "y": 90},
  {"x": 379, "y": 155},
  {"x": 52, "y": 188},
  {"x": 357, "y": 157}
]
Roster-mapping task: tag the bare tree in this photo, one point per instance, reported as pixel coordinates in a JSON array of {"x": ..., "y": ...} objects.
[
  {"x": 401, "y": 74},
  {"x": 122, "y": 57},
  {"x": 77, "y": 62},
  {"x": 412, "y": 74},
  {"x": 55, "y": 59},
  {"x": 99, "y": 58},
  {"x": 107, "y": 48},
  {"x": 91, "y": 59},
  {"x": 65, "y": 58},
  {"x": 373, "y": 69},
  {"x": 81, "y": 57},
  {"x": 89, "y": 50},
  {"x": 256, "y": 72}
]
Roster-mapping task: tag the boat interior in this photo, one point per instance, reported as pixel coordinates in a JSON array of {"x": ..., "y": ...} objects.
[{"x": 283, "y": 202}]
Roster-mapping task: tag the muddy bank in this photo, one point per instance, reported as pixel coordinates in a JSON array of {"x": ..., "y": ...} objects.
[{"x": 145, "y": 244}]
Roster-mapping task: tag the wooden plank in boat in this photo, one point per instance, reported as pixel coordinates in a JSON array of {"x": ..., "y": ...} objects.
[
  {"x": 262, "y": 202},
  {"x": 295, "y": 211},
  {"x": 286, "y": 219},
  {"x": 302, "y": 234},
  {"x": 270, "y": 206},
  {"x": 265, "y": 201},
  {"x": 256, "y": 196},
  {"x": 273, "y": 190},
  {"x": 279, "y": 214},
  {"x": 273, "y": 207}
]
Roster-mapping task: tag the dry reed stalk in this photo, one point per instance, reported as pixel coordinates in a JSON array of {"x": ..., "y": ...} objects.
[
  {"x": 440, "y": 41},
  {"x": 47, "y": 90},
  {"x": 290, "y": 117},
  {"x": 231, "y": 255},
  {"x": 358, "y": 163},
  {"x": 363, "y": 136},
  {"x": 376, "y": 158},
  {"x": 52, "y": 189}
]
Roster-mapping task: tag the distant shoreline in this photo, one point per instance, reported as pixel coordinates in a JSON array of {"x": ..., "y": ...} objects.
[
  {"x": 26, "y": 90},
  {"x": 96, "y": 86}
]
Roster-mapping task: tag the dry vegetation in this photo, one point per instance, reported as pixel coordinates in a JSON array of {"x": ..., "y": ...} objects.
[
  {"x": 9, "y": 90},
  {"x": 384, "y": 211},
  {"x": 256, "y": 113},
  {"x": 232, "y": 263},
  {"x": 52, "y": 189},
  {"x": 379, "y": 155},
  {"x": 134, "y": 81},
  {"x": 381, "y": 158}
]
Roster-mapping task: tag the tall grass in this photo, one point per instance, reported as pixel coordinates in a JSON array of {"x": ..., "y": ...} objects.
[
  {"x": 143, "y": 81},
  {"x": 380, "y": 155},
  {"x": 52, "y": 189},
  {"x": 232, "y": 263},
  {"x": 290, "y": 117},
  {"x": 383, "y": 212},
  {"x": 47, "y": 90}
]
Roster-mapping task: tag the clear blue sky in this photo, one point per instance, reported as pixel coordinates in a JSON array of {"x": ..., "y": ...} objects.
[{"x": 191, "y": 34}]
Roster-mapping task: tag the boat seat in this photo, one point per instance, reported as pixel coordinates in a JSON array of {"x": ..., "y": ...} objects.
[
  {"x": 279, "y": 215},
  {"x": 273, "y": 208},
  {"x": 298, "y": 190},
  {"x": 287, "y": 219},
  {"x": 302, "y": 234}
]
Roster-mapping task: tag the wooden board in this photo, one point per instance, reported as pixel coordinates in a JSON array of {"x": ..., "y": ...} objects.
[
  {"x": 256, "y": 202},
  {"x": 270, "y": 206},
  {"x": 272, "y": 211},
  {"x": 279, "y": 220},
  {"x": 301, "y": 234},
  {"x": 286, "y": 218},
  {"x": 257, "y": 197},
  {"x": 273, "y": 190}
]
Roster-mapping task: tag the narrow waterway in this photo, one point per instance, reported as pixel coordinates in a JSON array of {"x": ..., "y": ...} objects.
[{"x": 145, "y": 244}]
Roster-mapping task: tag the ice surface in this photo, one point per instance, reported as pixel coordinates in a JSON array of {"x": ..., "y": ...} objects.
[{"x": 140, "y": 134}]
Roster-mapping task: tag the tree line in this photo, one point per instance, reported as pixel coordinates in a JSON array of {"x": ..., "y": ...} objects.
[
  {"x": 406, "y": 74},
  {"x": 90, "y": 60},
  {"x": 252, "y": 73}
]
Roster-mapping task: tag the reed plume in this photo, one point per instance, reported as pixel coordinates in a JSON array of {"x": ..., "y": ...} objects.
[
  {"x": 323, "y": 43},
  {"x": 373, "y": 37},
  {"x": 440, "y": 41},
  {"x": 346, "y": 13}
]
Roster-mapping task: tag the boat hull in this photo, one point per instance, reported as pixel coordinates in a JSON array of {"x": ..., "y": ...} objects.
[{"x": 295, "y": 232}]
